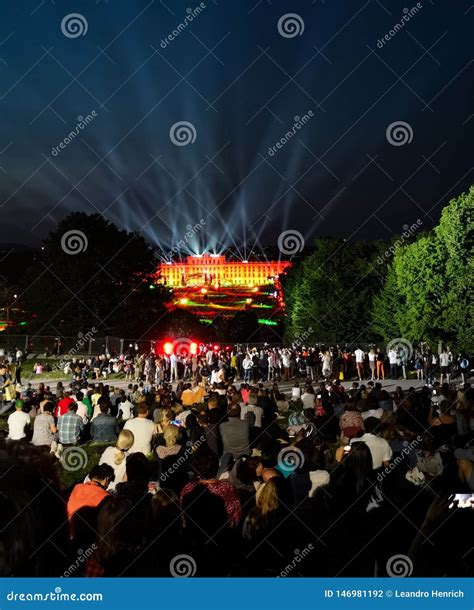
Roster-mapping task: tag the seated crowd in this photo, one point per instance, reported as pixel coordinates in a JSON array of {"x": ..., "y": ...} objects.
[{"x": 238, "y": 479}]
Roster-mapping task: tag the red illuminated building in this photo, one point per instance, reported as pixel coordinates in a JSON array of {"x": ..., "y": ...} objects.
[{"x": 208, "y": 285}]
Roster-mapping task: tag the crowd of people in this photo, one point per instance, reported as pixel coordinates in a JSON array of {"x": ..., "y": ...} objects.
[
  {"x": 234, "y": 476},
  {"x": 253, "y": 364}
]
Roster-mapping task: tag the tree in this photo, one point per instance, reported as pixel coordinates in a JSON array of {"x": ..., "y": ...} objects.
[
  {"x": 90, "y": 274},
  {"x": 427, "y": 295},
  {"x": 328, "y": 296}
]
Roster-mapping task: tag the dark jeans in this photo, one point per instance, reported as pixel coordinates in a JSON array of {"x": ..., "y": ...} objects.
[{"x": 393, "y": 371}]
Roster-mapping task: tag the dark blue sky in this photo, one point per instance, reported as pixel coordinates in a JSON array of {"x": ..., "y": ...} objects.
[{"x": 240, "y": 83}]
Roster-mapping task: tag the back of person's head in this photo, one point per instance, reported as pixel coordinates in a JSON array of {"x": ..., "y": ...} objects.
[
  {"x": 371, "y": 425},
  {"x": 205, "y": 463},
  {"x": 48, "y": 407},
  {"x": 205, "y": 515},
  {"x": 79, "y": 396},
  {"x": 358, "y": 465},
  {"x": 73, "y": 407},
  {"x": 213, "y": 402},
  {"x": 124, "y": 442},
  {"x": 142, "y": 408},
  {"x": 121, "y": 528},
  {"x": 103, "y": 406},
  {"x": 252, "y": 399},
  {"x": 137, "y": 467},
  {"x": 102, "y": 472},
  {"x": 166, "y": 512},
  {"x": 171, "y": 435},
  {"x": 34, "y": 533},
  {"x": 235, "y": 411}
]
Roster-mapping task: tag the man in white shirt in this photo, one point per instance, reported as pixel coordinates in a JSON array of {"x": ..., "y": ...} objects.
[
  {"x": 359, "y": 358},
  {"x": 81, "y": 407},
  {"x": 17, "y": 422},
  {"x": 247, "y": 365},
  {"x": 174, "y": 368},
  {"x": 143, "y": 430},
  {"x": 379, "y": 447},
  {"x": 252, "y": 408},
  {"x": 444, "y": 363},
  {"x": 392, "y": 360}
]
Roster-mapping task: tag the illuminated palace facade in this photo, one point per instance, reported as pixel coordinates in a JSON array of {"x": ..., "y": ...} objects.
[{"x": 215, "y": 270}]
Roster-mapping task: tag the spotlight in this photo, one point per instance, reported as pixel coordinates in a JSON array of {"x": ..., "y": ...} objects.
[
  {"x": 248, "y": 301},
  {"x": 183, "y": 301},
  {"x": 203, "y": 290},
  {"x": 168, "y": 348},
  {"x": 193, "y": 348}
]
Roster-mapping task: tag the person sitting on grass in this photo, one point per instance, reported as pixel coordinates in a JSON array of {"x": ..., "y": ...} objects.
[{"x": 17, "y": 422}]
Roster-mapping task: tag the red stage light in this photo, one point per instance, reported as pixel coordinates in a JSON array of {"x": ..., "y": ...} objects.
[
  {"x": 216, "y": 347},
  {"x": 168, "y": 348}
]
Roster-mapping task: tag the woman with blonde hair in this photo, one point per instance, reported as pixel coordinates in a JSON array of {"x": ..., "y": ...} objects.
[{"x": 115, "y": 456}]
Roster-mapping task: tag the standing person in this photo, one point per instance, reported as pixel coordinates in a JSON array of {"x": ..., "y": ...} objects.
[
  {"x": 380, "y": 364},
  {"x": 7, "y": 389},
  {"x": 327, "y": 364},
  {"x": 174, "y": 376},
  {"x": 359, "y": 358},
  {"x": 285, "y": 361},
  {"x": 372, "y": 361},
  {"x": 427, "y": 366},
  {"x": 444, "y": 363},
  {"x": 392, "y": 360},
  {"x": 247, "y": 365},
  {"x": 418, "y": 365}
]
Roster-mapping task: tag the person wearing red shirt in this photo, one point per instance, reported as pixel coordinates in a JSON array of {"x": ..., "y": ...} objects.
[{"x": 63, "y": 404}]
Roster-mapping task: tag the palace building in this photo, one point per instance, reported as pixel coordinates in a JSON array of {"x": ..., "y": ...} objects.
[{"x": 209, "y": 269}]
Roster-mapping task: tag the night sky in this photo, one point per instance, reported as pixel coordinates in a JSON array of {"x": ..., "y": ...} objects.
[{"x": 239, "y": 83}]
